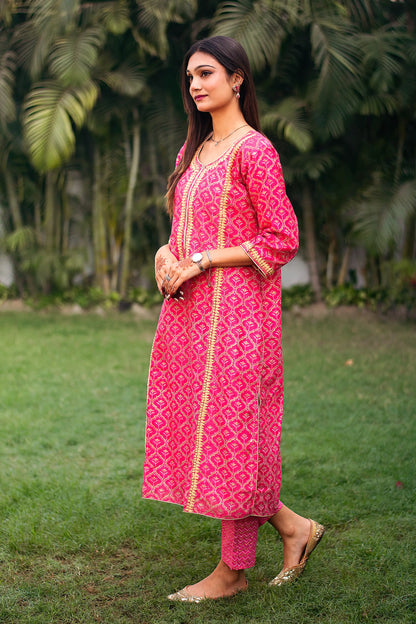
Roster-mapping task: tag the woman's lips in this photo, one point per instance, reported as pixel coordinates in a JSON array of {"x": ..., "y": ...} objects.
[{"x": 197, "y": 98}]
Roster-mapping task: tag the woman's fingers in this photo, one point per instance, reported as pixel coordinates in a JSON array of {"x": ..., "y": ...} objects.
[
  {"x": 163, "y": 266},
  {"x": 171, "y": 285}
]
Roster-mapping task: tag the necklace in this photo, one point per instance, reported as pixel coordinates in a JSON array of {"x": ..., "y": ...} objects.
[{"x": 211, "y": 138}]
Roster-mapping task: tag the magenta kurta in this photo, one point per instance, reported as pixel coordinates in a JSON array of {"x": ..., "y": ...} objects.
[{"x": 215, "y": 390}]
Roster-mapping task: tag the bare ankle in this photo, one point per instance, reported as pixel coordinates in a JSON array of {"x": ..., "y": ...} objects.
[{"x": 228, "y": 573}]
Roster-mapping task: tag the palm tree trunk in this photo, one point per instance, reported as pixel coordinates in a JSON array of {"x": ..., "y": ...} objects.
[
  {"x": 50, "y": 235},
  {"x": 98, "y": 227},
  {"x": 309, "y": 227},
  {"x": 38, "y": 221},
  {"x": 331, "y": 262},
  {"x": 12, "y": 199},
  {"x": 128, "y": 206},
  {"x": 409, "y": 245},
  {"x": 342, "y": 275},
  {"x": 162, "y": 233},
  {"x": 400, "y": 149}
]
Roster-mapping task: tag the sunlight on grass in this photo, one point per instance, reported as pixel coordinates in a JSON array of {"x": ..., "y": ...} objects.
[{"x": 77, "y": 543}]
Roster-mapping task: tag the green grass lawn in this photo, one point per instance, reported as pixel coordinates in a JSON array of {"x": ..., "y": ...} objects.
[{"x": 77, "y": 543}]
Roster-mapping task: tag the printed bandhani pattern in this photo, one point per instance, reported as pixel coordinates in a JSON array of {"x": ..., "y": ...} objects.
[{"x": 215, "y": 389}]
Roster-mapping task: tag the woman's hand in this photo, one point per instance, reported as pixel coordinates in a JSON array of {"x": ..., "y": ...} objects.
[
  {"x": 164, "y": 260},
  {"x": 178, "y": 273}
]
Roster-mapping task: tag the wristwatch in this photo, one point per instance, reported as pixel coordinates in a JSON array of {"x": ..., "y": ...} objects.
[{"x": 197, "y": 257}]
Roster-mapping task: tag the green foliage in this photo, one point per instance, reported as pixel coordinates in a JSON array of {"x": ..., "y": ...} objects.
[
  {"x": 258, "y": 26},
  {"x": 50, "y": 110},
  {"x": 337, "y": 84},
  {"x": 144, "y": 297},
  {"x": 153, "y": 17},
  {"x": 348, "y": 295},
  {"x": 73, "y": 57},
  {"x": 378, "y": 216},
  {"x": 288, "y": 120},
  {"x": 399, "y": 284},
  {"x": 398, "y": 289},
  {"x": 8, "y": 292},
  {"x": 116, "y": 18},
  {"x": 20, "y": 240},
  {"x": 7, "y": 80},
  {"x": 300, "y": 296},
  {"x": 88, "y": 298}
]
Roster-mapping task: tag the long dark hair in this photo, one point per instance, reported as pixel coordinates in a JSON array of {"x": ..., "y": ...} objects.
[{"x": 232, "y": 56}]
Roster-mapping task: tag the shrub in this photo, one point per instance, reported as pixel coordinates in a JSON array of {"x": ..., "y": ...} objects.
[{"x": 300, "y": 295}]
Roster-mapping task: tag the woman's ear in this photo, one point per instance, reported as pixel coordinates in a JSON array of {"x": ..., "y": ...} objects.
[{"x": 238, "y": 78}]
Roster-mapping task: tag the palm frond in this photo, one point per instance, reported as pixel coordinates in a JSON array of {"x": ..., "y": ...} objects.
[
  {"x": 337, "y": 91},
  {"x": 7, "y": 8},
  {"x": 384, "y": 52},
  {"x": 153, "y": 17},
  {"x": 73, "y": 57},
  {"x": 288, "y": 120},
  {"x": 32, "y": 49},
  {"x": 378, "y": 217},
  {"x": 20, "y": 240},
  {"x": 335, "y": 49},
  {"x": 165, "y": 126},
  {"x": 259, "y": 26},
  {"x": 127, "y": 80},
  {"x": 362, "y": 12},
  {"x": 379, "y": 104},
  {"x": 53, "y": 14},
  {"x": 116, "y": 17},
  {"x": 7, "y": 80},
  {"x": 308, "y": 165},
  {"x": 49, "y": 113},
  {"x": 411, "y": 51}
]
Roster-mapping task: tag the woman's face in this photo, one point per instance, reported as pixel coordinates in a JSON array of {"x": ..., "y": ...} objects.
[{"x": 210, "y": 85}]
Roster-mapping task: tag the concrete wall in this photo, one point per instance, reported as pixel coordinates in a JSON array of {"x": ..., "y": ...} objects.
[
  {"x": 296, "y": 272},
  {"x": 6, "y": 271}
]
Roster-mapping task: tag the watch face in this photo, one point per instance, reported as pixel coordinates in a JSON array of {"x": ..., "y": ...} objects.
[{"x": 197, "y": 257}]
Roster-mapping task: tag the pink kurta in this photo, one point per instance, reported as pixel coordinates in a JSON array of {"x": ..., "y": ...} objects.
[{"x": 215, "y": 392}]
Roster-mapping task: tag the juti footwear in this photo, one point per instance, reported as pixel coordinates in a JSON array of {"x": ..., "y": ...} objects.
[
  {"x": 291, "y": 574},
  {"x": 183, "y": 595}
]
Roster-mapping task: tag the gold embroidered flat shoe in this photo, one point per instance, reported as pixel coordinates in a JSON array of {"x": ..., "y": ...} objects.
[
  {"x": 291, "y": 574},
  {"x": 183, "y": 595}
]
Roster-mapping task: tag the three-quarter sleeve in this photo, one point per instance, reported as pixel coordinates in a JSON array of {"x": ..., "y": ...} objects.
[{"x": 276, "y": 241}]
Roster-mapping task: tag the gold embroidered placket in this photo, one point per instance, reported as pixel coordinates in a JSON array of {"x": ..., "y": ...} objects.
[{"x": 215, "y": 316}]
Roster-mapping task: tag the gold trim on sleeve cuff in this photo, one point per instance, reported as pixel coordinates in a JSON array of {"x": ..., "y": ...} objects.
[{"x": 261, "y": 264}]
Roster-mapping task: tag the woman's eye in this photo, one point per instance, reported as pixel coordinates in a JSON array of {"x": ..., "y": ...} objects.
[{"x": 205, "y": 73}]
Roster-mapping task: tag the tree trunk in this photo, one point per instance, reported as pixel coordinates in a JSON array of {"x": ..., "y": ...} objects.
[
  {"x": 400, "y": 149},
  {"x": 50, "y": 210},
  {"x": 162, "y": 233},
  {"x": 98, "y": 227},
  {"x": 309, "y": 227},
  {"x": 342, "y": 276},
  {"x": 331, "y": 262},
  {"x": 12, "y": 199},
  {"x": 128, "y": 206},
  {"x": 409, "y": 245}
]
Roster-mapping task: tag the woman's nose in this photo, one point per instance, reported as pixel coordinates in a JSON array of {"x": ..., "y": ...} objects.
[{"x": 195, "y": 86}]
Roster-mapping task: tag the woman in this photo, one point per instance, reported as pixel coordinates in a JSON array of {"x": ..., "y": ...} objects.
[{"x": 215, "y": 393}]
